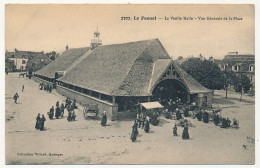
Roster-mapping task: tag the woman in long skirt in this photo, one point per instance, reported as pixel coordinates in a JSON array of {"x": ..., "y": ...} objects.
[
  {"x": 175, "y": 130},
  {"x": 42, "y": 123},
  {"x": 104, "y": 119},
  {"x": 38, "y": 121},
  {"x": 185, "y": 133}
]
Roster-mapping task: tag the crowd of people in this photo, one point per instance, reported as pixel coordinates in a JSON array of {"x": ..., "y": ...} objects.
[{"x": 180, "y": 112}]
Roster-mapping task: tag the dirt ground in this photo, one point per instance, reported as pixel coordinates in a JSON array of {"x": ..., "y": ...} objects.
[{"x": 87, "y": 142}]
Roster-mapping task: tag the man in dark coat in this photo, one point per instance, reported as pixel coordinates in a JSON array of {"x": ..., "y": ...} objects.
[
  {"x": 178, "y": 114},
  {"x": 186, "y": 112},
  {"x": 57, "y": 104},
  {"x": 134, "y": 127},
  {"x": 199, "y": 116},
  {"x": 50, "y": 88},
  {"x": 146, "y": 125},
  {"x": 57, "y": 113},
  {"x": 62, "y": 109},
  {"x": 206, "y": 117},
  {"x": 228, "y": 122},
  {"x": 15, "y": 98},
  {"x": 74, "y": 106},
  {"x": 216, "y": 119},
  {"x": 175, "y": 130},
  {"x": 133, "y": 135},
  {"x": 42, "y": 123},
  {"x": 51, "y": 113},
  {"x": 185, "y": 133},
  {"x": 47, "y": 87},
  {"x": 38, "y": 121}
]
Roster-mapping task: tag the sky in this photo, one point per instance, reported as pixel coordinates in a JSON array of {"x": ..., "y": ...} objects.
[{"x": 51, "y": 27}]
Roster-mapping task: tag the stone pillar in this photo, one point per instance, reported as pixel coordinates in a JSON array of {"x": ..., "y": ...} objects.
[
  {"x": 148, "y": 99},
  {"x": 114, "y": 112},
  {"x": 90, "y": 93},
  {"x": 209, "y": 99},
  {"x": 114, "y": 100},
  {"x": 114, "y": 109},
  {"x": 188, "y": 98},
  {"x": 99, "y": 96},
  {"x": 200, "y": 99}
]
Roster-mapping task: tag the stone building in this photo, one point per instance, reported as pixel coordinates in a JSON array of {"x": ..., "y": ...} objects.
[
  {"x": 240, "y": 64},
  {"x": 20, "y": 58}
]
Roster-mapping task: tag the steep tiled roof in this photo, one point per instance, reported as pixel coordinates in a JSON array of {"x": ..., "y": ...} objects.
[
  {"x": 61, "y": 63},
  {"x": 129, "y": 69},
  {"x": 118, "y": 69}
]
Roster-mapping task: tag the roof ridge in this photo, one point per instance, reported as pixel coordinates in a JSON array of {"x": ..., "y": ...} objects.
[
  {"x": 128, "y": 42},
  {"x": 82, "y": 57}
]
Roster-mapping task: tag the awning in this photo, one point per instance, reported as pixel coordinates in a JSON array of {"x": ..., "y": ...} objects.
[{"x": 151, "y": 105}]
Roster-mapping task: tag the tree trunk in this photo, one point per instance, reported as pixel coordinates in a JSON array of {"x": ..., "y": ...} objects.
[{"x": 241, "y": 94}]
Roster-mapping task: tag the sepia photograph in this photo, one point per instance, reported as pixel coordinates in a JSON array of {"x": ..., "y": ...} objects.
[{"x": 94, "y": 84}]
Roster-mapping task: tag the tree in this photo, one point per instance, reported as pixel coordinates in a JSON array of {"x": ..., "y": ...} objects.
[
  {"x": 205, "y": 72},
  {"x": 52, "y": 55},
  {"x": 230, "y": 78},
  {"x": 241, "y": 84}
]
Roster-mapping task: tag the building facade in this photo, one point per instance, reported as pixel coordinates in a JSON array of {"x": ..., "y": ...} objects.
[
  {"x": 20, "y": 58},
  {"x": 240, "y": 64}
]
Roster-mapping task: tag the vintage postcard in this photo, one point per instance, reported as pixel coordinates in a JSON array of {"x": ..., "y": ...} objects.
[{"x": 129, "y": 84}]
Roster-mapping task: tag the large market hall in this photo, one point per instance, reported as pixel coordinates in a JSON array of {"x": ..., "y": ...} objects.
[{"x": 117, "y": 77}]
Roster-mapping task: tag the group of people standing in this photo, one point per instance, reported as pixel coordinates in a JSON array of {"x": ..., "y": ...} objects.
[
  {"x": 59, "y": 110},
  {"x": 47, "y": 87},
  {"x": 70, "y": 105},
  {"x": 142, "y": 121},
  {"x": 40, "y": 122}
]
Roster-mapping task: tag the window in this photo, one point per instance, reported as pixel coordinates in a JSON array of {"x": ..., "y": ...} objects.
[
  {"x": 225, "y": 67},
  {"x": 23, "y": 57},
  {"x": 23, "y": 62},
  {"x": 235, "y": 68}
]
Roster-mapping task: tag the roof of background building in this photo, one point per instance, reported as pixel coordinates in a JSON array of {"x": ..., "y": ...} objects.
[
  {"x": 21, "y": 54},
  {"x": 61, "y": 63}
]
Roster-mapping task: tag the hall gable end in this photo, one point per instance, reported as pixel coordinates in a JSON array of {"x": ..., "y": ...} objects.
[{"x": 170, "y": 72}]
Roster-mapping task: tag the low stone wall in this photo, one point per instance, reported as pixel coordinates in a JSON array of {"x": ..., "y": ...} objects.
[
  {"x": 85, "y": 99},
  {"x": 126, "y": 115}
]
